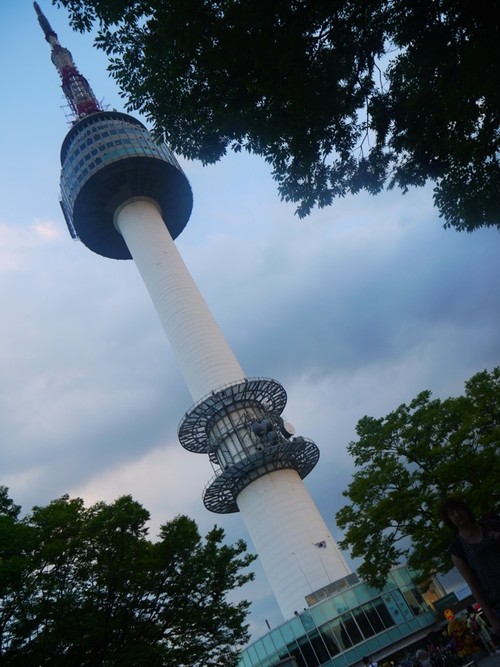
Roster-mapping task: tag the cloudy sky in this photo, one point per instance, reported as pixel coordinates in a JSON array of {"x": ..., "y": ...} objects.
[{"x": 354, "y": 310}]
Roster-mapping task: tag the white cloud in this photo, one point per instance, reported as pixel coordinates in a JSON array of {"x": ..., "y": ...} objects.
[{"x": 18, "y": 242}]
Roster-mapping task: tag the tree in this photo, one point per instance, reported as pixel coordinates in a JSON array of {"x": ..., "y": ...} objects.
[
  {"x": 407, "y": 462},
  {"x": 84, "y": 586},
  {"x": 338, "y": 96}
]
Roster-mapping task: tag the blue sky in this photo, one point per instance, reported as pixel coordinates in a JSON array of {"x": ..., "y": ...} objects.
[{"x": 354, "y": 310}]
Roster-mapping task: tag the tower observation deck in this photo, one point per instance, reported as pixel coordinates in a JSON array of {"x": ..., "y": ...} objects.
[{"x": 126, "y": 197}]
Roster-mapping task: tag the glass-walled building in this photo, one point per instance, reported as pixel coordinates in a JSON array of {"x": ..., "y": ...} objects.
[{"x": 349, "y": 624}]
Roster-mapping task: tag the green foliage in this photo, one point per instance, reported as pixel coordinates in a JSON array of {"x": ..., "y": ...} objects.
[
  {"x": 407, "y": 462},
  {"x": 84, "y": 586},
  {"x": 337, "y": 96}
]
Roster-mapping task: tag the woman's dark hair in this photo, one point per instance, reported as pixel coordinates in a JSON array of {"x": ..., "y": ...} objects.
[{"x": 453, "y": 504}]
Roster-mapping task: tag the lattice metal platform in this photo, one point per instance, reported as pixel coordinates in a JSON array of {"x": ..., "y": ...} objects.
[
  {"x": 299, "y": 454},
  {"x": 263, "y": 393}
]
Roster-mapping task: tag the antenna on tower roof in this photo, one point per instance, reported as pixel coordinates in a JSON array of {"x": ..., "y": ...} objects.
[{"x": 76, "y": 88}]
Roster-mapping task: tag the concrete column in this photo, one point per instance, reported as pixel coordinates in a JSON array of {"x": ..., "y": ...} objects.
[
  {"x": 206, "y": 360},
  {"x": 297, "y": 552}
]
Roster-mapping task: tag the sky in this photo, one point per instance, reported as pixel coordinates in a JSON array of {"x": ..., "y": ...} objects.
[{"x": 354, "y": 310}]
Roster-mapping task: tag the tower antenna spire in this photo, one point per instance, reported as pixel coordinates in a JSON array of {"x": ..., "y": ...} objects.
[{"x": 76, "y": 88}]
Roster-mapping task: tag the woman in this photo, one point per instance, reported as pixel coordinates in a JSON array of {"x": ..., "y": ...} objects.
[{"x": 475, "y": 552}]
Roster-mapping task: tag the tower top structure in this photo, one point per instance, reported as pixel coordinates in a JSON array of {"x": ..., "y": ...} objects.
[
  {"x": 107, "y": 159},
  {"x": 76, "y": 88}
]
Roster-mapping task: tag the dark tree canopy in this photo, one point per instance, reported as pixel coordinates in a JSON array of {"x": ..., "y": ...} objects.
[
  {"x": 337, "y": 95},
  {"x": 84, "y": 586},
  {"x": 410, "y": 460}
]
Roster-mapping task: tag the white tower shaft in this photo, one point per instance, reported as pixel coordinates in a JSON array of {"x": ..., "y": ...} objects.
[
  {"x": 297, "y": 551},
  {"x": 206, "y": 360}
]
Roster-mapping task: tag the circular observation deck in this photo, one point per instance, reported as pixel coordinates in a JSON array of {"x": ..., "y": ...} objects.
[
  {"x": 194, "y": 429},
  {"x": 108, "y": 158},
  {"x": 220, "y": 494}
]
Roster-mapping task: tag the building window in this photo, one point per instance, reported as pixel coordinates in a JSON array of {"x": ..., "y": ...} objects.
[{"x": 349, "y": 631}]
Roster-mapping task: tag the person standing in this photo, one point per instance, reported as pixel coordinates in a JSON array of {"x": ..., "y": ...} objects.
[
  {"x": 480, "y": 630},
  {"x": 475, "y": 552}
]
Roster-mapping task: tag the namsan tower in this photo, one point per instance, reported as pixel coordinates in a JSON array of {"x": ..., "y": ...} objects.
[{"x": 126, "y": 197}]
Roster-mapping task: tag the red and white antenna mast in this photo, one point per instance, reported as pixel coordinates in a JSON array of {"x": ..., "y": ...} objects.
[{"x": 75, "y": 87}]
